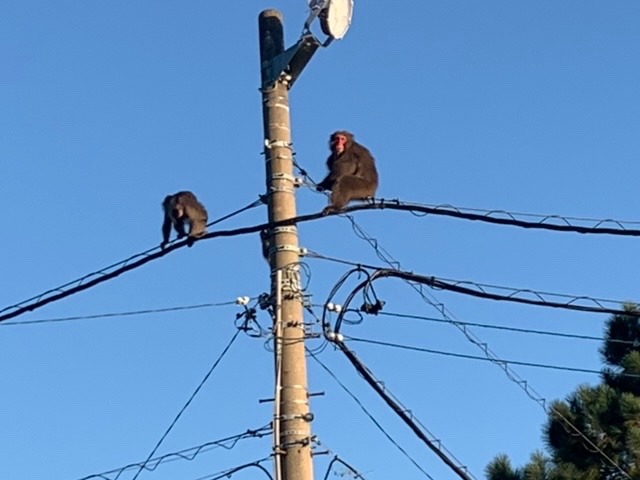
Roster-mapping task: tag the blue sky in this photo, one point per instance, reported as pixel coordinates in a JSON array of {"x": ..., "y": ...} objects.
[{"x": 105, "y": 107}]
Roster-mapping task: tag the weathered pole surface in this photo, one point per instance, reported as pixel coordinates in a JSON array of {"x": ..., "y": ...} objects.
[{"x": 292, "y": 427}]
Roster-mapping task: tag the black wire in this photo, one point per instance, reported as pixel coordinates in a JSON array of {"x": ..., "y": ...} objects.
[
  {"x": 434, "y": 445},
  {"x": 368, "y": 414},
  {"x": 484, "y": 359},
  {"x": 488, "y": 216},
  {"x": 58, "y": 293},
  {"x": 338, "y": 459},
  {"x": 436, "y": 283},
  {"x": 508, "y": 329},
  {"x": 83, "y": 283},
  {"x": 230, "y": 471},
  {"x": 510, "y": 373},
  {"x": 257, "y": 203},
  {"x": 188, "y": 454},
  {"x": 193, "y": 395},
  {"x": 119, "y": 314}
]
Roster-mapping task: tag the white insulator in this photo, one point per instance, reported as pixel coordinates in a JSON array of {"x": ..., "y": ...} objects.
[{"x": 242, "y": 300}]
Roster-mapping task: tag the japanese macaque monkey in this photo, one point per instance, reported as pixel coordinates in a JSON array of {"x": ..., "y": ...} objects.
[
  {"x": 352, "y": 172},
  {"x": 179, "y": 209}
]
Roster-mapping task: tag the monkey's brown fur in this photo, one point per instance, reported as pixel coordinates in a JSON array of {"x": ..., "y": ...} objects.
[
  {"x": 352, "y": 172},
  {"x": 183, "y": 208}
]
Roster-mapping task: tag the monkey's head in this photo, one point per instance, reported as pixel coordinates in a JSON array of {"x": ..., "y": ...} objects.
[
  {"x": 172, "y": 207},
  {"x": 340, "y": 141}
]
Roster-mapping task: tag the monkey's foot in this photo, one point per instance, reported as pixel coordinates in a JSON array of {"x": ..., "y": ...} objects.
[{"x": 329, "y": 209}]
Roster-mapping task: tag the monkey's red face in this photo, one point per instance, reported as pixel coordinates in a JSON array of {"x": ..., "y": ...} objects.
[{"x": 339, "y": 143}]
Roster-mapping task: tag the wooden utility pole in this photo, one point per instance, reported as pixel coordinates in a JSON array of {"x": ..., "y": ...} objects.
[{"x": 292, "y": 430}]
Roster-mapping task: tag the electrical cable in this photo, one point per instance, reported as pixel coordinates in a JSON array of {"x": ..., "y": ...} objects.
[
  {"x": 385, "y": 256},
  {"x": 102, "y": 275},
  {"x": 121, "y": 314},
  {"x": 418, "y": 428},
  {"x": 370, "y": 416},
  {"x": 107, "y": 273},
  {"x": 484, "y": 359},
  {"x": 481, "y": 292},
  {"x": 510, "y": 329},
  {"x": 230, "y": 471},
  {"x": 188, "y": 454},
  {"x": 186, "y": 405},
  {"x": 509, "y": 219},
  {"x": 336, "y": 458}
]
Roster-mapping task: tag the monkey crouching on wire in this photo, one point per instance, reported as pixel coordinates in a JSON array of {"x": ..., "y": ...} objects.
[
  {"x": 183, "y": 208},
  {"x": 352, "y": 172}
]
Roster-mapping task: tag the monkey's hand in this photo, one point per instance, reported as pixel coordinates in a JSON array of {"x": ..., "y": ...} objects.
[{"x": 163, "y": 245}]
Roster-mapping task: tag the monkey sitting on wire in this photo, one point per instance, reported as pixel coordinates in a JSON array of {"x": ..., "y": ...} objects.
[
  {"x": 352, "y": 172},
  {"x": 183, "y": 208}
]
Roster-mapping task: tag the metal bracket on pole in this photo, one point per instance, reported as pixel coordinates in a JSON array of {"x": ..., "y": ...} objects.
[{"x": 291, "y": 62}]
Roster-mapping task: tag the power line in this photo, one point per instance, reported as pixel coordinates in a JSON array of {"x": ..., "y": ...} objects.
[
  {"x": 231, "y": 471},
  {"x": 484, "y": 290},
  {"x": 385, "y": 256},
  {"x": 368, "y": 414},
  {"x": 122, "y": 314},
  {"x": 434, "y": 444},
  {"x": 503, "y": 217},
  {"x": 182, "y": 410},
  {"x": 123, "y": 266},
  {"x": 188, "y": 454},
  {"x": 508, "y": 329},
  {"x": 500, "y": 217},
  {"x": 336, "y": 459},
  {"x": 475, "y": 357},
  {"x": 106, "y": 273}
]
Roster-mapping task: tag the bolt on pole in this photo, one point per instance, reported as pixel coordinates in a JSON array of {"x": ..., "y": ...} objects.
[{"x": 292, "y": 429}]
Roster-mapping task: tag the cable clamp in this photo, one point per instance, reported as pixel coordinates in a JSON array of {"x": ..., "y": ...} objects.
[
  {"x": 284, "y": 229},
  {"x": 277, "y": 143},
  {"x": 283, "y": 176}
]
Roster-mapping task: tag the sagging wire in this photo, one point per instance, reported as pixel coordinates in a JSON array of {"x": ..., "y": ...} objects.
[
  {"x": 186, "y": 405},
  {"x": 91, "y": 279},
  {"x": 121, "y": 314},
  {"x": 633, "y": 343},
  {"x": 433, "y": 443},
  {"x": 484, "y": 347},
  {"x": 482, "y": 291},
  {"x": 231, "y": 471},
  {"x": 188, "y": 454},
  {"x": 336, "y": 459},
  {"x": 334, "y": 336},
  {"x": 477, "y": 357},
  {"x": 503, "y": 217},
  {"x": 581, "y": 303},
  {"x": 123, "y": 266},
  {"x": 370, "y": 416}
]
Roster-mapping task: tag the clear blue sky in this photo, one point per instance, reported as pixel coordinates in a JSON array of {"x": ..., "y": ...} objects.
[{"x": 105, "y": 107}]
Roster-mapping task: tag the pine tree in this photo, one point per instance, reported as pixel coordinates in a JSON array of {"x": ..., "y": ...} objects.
[{"x": 607, "y": 414}]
